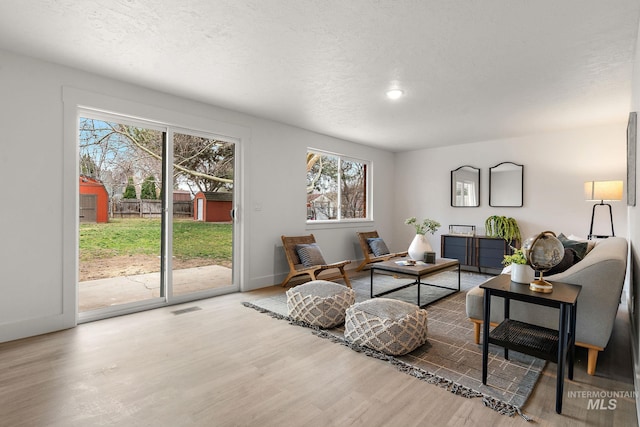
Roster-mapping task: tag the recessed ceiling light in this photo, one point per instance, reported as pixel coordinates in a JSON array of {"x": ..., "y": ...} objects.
[{"x": 394, "y": 93}]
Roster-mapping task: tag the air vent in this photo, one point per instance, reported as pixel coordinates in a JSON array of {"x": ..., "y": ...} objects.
[{"x": 186, "y": 310}]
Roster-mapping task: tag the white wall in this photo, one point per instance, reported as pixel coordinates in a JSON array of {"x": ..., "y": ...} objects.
[
  {"x": 556, "y": 165},
  {"x": 633, "y": 300},
  {"x": 37, "y": 295}
]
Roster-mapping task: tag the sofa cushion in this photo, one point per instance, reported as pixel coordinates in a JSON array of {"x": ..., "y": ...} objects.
[
  {"x": 578, "y": 246},
  {"x": 378, "y": 246},
  {"x": 570, "y": 258},
  {"x": 590, "y": 243}
]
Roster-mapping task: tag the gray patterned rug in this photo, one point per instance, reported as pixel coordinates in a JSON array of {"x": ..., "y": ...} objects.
[{"x": 450, "y": 358}]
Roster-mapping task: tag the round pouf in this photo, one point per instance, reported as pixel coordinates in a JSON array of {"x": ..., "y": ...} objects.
[
  {"x": 320, "y": 303},
  {"x": 386, "y": 325}
]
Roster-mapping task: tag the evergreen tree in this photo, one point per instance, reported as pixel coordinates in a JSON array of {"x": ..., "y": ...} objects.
[
  {"x": 130, "y": 191},
  {"x": 148, "y": 189}
]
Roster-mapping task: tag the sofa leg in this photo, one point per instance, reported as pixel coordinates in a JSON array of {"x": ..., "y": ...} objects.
[
  {"x": 476, "y": 331},
  {"x": 592, "y": 359}
]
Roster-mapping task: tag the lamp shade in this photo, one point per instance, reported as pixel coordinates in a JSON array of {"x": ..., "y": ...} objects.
[{"x": 603, "y": 190}]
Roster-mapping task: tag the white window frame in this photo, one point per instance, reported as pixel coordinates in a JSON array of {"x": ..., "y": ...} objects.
[{"x": 368, "y": 190}]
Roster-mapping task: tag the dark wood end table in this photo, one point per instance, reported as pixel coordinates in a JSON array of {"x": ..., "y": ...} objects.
[{"x": 544, "y": 343}]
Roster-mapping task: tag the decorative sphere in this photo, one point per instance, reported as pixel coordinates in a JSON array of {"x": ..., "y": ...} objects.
[{"x": 543, "y": 251}]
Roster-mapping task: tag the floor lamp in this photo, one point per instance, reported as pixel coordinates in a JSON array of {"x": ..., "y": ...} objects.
[{"x": 602, "y": 191}]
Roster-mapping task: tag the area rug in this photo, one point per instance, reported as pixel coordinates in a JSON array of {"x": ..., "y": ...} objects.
[{"x": 450, "y": 358}]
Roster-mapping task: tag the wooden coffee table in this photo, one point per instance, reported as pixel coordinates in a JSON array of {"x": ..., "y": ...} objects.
[{"x": 418, "y": 271}]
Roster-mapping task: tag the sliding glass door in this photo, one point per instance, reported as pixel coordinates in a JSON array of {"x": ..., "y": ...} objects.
[
  {"x": 202, "y": 243},
  {"x": 155, "y": 215}
]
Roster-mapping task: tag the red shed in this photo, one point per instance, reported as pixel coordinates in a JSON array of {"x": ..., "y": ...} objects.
[
  {"x": 212, "y": 206},
  {"x": 94, "y": 200}
]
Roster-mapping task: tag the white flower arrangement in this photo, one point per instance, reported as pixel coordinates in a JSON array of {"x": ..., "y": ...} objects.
[{"x": 427, "y": 224}]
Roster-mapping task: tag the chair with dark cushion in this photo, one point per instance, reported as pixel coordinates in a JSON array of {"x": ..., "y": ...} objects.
[
  {"x": 374, "y": 249},
  {"x": 305, "y": 258}
]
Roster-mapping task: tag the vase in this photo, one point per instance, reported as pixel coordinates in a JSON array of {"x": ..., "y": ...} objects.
[
  {"x": 418, "y": 247},
  {"x": 521, "y": 273}
]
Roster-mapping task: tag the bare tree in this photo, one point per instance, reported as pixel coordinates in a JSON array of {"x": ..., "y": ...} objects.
[{"x": 112, "y": 152}]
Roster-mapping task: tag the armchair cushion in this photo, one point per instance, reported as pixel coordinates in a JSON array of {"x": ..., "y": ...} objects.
[
  {"x": 310, "y": 254},
  {"x": 378, "y": 246}
]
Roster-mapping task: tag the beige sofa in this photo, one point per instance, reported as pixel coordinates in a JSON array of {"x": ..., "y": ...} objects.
[{"x": 601, "y": 274}]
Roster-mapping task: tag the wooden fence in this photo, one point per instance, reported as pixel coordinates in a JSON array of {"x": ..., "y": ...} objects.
[{"x": 127, "y": 208}]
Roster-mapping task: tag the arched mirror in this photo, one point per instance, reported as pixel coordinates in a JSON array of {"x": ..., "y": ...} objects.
[
  {"x": 506, "y": 185},
  {"x": 465, "y": 187}
]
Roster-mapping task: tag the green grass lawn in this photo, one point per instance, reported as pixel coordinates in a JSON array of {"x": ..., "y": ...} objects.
[{"x": 120, "y": 237}]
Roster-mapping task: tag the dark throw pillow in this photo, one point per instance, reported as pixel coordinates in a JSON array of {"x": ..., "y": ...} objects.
[
  {"x": 570, "y": 258},
  {"x": 378, "y": 246},
  {"x": 579, "y": 247},
  {"x": 310, "y": 254}
]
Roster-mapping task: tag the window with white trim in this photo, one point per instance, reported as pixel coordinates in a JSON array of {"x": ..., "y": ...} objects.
[{"x": 337, "y": 187}]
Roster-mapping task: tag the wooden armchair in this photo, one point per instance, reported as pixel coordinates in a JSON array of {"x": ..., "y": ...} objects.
[
  {"x": 369, "y": 256},
  {"x": 297, "y": 268}
]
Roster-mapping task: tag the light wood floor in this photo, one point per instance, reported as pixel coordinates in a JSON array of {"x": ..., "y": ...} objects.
[{"x": 228, "y": 365}]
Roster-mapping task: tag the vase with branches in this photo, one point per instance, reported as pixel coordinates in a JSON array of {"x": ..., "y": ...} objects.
[{"x": 420, "y": 244}]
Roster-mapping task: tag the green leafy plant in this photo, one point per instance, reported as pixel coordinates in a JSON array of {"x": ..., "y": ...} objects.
[
  {"x": 503, "y": 227},
  {"x": 427, "y": 224},
  {"x": 517, "y": 257}
]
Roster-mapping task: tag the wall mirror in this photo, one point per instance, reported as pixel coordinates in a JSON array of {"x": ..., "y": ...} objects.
[
  {"x": 506, "y": 185},
  {"x": 465, "y": 187}
]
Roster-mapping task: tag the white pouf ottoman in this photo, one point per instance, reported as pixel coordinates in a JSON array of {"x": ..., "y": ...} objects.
[
  {"x": 320, "y": 303},
  {"x": 386, "y": 325}
]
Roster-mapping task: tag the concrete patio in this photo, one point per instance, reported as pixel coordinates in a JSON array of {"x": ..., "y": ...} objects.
[{"x": 100, "y": 293}]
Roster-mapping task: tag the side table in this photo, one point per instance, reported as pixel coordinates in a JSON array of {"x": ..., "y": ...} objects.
[{"x": 544, "y": 343}]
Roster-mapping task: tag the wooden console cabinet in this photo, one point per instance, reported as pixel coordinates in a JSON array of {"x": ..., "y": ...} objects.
[{"x": 481, "y": 253}]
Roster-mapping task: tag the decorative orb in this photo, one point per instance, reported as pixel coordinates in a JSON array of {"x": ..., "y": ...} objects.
[{"x": 543, "y": 252}]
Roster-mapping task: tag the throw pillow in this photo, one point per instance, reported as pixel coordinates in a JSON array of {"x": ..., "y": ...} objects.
[
  {"x": 570, "y": 258},
  {"x": 310, "y": 254},
  {"x": 590, "y": 243},
  {"x": 378, "y": 246},
  {"x": 579, "y": 247}
]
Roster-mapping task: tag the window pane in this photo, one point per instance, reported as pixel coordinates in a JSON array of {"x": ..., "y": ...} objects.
[
  {"x": 336, "y": 187},
  {"x": 353, "y": 184},
  {"x": 322, "y": 186},
  {"x": 203, "y": 176},
  {"x": 120, "y": 240}
]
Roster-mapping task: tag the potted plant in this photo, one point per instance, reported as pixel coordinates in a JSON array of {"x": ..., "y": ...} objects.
[
  {"x": 503, "y": 227},
  {"x": 420, "y": 244},
  {"x": 521, "y": 272}
]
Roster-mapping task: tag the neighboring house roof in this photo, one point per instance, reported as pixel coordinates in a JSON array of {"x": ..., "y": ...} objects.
[
  {"x": 87, "y": 180},
  {"x": 318, "y": 198},
  {"x": 218, "y": 196}
]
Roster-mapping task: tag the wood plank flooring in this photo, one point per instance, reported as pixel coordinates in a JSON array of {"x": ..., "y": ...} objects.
[{"x": 228, "y": 365}]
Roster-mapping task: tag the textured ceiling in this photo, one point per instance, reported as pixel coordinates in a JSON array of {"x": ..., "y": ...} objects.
[{"x": 471, "y": 70}]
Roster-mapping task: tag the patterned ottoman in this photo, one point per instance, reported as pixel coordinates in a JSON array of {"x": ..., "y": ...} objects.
[
  {"x": 389, "y": 326},
  {"x": 320, "y": 303}
]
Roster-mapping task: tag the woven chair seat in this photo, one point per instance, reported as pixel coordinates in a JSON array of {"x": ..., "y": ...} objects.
[
  {"x": 320, "y": 303},
  {"x": 390, "y": 326}
]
